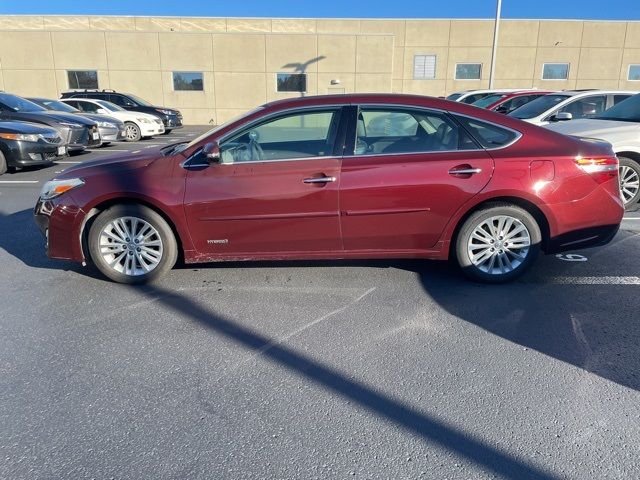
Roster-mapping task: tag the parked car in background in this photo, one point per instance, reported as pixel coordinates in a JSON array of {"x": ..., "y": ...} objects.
[
  {"x": 171, "y": 118},
  {"x": 569, "y": 105},
  {"x": 111, "y": 129},
  {"x": 508, "y": 102},
  {"x": 470, "y": 96},
  {"x": 620, "y": 126},
  {"x": 136, "y": 125},
  {"x": 78, "y": 132},
  {"x": 24, "y": 144},
  {"x": 308, "y": 178}
]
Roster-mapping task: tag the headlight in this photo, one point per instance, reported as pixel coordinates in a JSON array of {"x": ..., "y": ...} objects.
[
  {"x": 54, "y": 188},
  {"x": 70, "y": 124},
  {"x": 143, "y": 120},
  {"x": 107, "y": 125},
  {"x": 20, "y": 136},
  {"x": 166, "y": 112}
]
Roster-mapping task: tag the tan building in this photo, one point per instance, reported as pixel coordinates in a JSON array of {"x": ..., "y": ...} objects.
[{"x": 214, "y": 68}]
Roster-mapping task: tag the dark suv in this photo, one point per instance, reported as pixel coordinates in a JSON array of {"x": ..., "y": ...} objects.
[{"x": 171, "y": 118}]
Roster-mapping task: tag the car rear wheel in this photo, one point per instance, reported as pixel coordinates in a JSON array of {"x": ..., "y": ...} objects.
[
  {"x": 132, "y": 132},
  {"x": 3, "y": 164},
  {"x": 132, "y": 244},
  {"x": 629, "y": 181},
  {"x": 498, "y": 243}
]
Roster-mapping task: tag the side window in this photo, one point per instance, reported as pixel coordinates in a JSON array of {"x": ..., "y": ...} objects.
[
  {"x": 511, "y": 105},
  {"x": 120, "y": 100},
  {"x": 619, "y": 98},
  {"x": 74, "y": 104},
  {"x": 293, "y": 136},
  {"x": 586, "y": 107},
  {"x": 391, "y": 130},
  {"x": 88, "y": 107},
  {"x": 487, "y": 134}
]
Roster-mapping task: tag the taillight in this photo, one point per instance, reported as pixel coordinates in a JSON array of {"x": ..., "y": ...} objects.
[{"x": 601, "y": 168}]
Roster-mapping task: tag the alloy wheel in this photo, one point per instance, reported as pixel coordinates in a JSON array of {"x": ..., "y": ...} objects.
[
  {"x": 629, "y": 183},
  {"x": 499, "y": 245},
  {"x": 131, "y": 132},
  {"x": 131, "y": 246}
]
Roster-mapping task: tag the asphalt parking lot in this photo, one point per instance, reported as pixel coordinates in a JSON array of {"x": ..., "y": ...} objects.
[{"x": 385, "y": 369}]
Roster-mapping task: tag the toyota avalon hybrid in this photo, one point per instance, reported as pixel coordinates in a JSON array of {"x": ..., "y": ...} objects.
[{"x": 309, "y": 178}]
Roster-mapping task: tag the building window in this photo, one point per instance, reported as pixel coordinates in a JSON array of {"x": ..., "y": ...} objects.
[
  {"x": 555, "y": 71},
  {"x": 188, "y": 81},
  {"x": 291, "y": 82},
  {"x": 468, "y": 71},
  {"x": 82, "y": 78},
  {"x": 424, "y": 67},
  {"x": 634, "y": 72}
]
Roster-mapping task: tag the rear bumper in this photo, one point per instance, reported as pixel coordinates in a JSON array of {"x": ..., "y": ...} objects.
[
  {"x": 583, "y": 238},
  {"x": 588, "y": 222}
]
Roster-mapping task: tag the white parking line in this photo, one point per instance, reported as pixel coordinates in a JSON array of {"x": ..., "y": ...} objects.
[
  {"x": 108, "y": 151},
  {"x": 596, "y": 280},
  {"x": 19, "y": 181}
]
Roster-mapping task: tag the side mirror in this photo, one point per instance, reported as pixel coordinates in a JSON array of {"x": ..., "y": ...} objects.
[
  {"x": 212, "y": 152},
  {"x": 561, "y": 117},
  {"x": 102, "y": 111}
]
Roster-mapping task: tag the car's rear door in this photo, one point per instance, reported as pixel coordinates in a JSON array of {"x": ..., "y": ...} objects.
[
  {"x": 275, "y": 190},
  {"x": 398, "y": 192}
]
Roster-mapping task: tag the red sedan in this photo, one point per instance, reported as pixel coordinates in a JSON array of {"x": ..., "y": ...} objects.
[
  {"x": 351, "y": 176},
  {"x": 508, "y": 102}
]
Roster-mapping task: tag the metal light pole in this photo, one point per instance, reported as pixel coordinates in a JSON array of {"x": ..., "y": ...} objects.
[{"x": 496, "y": 27}]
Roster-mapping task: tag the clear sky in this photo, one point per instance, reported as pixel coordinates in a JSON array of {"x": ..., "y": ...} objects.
[{"x": 582, "y": 9}]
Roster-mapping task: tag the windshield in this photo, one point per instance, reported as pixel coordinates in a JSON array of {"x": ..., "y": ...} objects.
[
  {"x": 454, "y": 96},
  {"x": 59, "y": 106},
  {"x": 486, "y": 101},
  {"x": 110, "y": 106},
  {"x": 538, "y": 106},
  {"x": 183, "y": 146},
  {"x": 18, "y": 104},
  {"x": 142, "y": 102},
  {"x": 626, "y": 111}
]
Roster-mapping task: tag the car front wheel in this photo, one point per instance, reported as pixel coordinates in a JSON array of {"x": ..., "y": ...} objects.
[
  {"x": 498, "y": 243},
  {"x": 3, "y": 164},
  {"x": 629, "y": 181},
  {"x": 132, "y": 132},
  {"x": 132, "y": 244},
  {"x": 167, "y": 132}
]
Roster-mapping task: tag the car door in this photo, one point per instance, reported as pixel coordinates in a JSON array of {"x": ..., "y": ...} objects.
[
  {"x": 410, "y": 170},
  {"x": 274, "y": 191}
]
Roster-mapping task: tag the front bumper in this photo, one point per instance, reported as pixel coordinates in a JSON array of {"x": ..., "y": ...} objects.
[
  {"x": 108, "y": 134},
  {"x": 23, "y": 154},
  {"x": 151, "y": 129},
  {"x": 171, "y": 122},
  {"x": 60, "y": 221}
]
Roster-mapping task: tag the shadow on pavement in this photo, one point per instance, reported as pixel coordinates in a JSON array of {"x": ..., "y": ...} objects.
[{"x": 410, "y": 419}]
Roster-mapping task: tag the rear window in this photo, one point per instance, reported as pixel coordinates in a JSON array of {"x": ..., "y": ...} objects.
[
  {"x": 488, "y": 135},
  {"x": 538, "y": 106}
]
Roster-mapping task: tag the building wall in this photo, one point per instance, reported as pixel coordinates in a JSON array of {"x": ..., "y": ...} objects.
[{"x": 239, "y": 57}]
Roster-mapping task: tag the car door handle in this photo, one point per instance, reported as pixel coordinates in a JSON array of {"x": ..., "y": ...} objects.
[
  {"x": 319, "y": 180},
  {"x": 464, "y": 171}
]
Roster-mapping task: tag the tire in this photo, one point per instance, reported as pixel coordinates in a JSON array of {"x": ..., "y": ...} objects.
[
  {"x": 127, "y": 261},
  {"x": 167, "y": 132},
  {"x": 131, "y": 132},
  {"x": 3, "y": 164},
  {"x": 629, "y": 181},
  {"x": 476, "y": 259}
]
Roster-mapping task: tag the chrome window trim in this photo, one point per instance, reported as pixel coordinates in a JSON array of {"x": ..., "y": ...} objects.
[
  {"x": 185, "y": 163},
  {"x": 438, "y": 110}
]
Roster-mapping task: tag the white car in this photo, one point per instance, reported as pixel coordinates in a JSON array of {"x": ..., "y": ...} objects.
[
  {"x": 620, "y": 126},
  {"x": 137, "y": 124},
  {"x": 569, "y": 105},
  {"x": 470, "y": 96}
]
